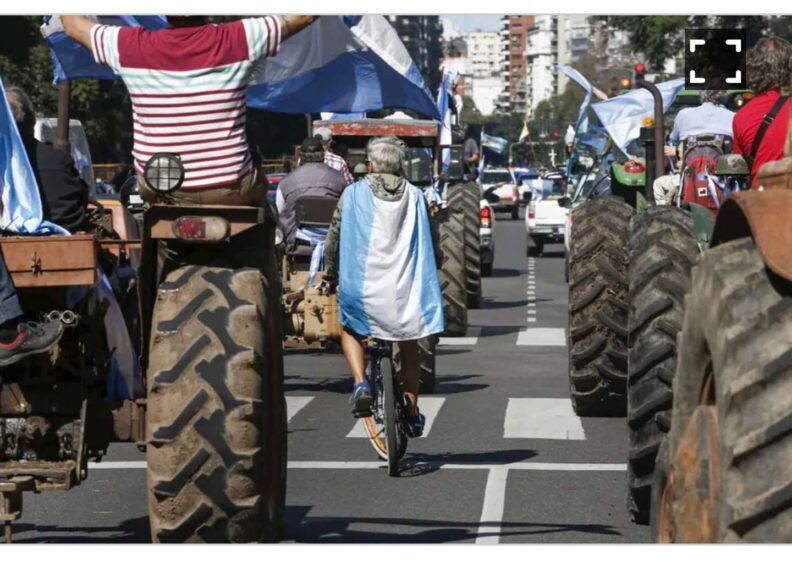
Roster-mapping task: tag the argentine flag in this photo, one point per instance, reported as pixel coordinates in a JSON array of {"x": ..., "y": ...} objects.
[
  {"x": 339, "y": 64},
  {"x": 22, "y": 212},
  {"x": 578, "y": 78},
  {"x": 497, "y": 144},
  {"x": 624, "y": 115},
  {"x": 444, "y": 110},
  {"x": 388, "y": 284}
]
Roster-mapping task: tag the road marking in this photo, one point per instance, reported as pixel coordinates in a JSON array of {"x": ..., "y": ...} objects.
[
  {"x": 429, "y": 406},
  {"x": 530, "y": 320},
  {"x": 295, "y": 404},
  {"x": 489, "y": 529},
  {"x": 542, "y": 337},
  {"x": 471, "y": 338},
  {"x": 531, "y": 304},
  {"x": 542, "y": 419},
  {"x": 329, "y": 465}
]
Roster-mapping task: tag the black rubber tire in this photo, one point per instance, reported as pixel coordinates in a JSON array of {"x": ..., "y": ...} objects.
[
  {"x": 486, "y": 270},
  {"x": 598, "y": 307},
  {"x": 468, "y": 195},
  {"x": 663, "y": 250},
  {"x": 453, "y": 273},
  {"x": 427, "y": 349},
  {"x": 395, "y": 438},
  {"x": 216, "y": 412},
  {"x": 738, "y": 325}
]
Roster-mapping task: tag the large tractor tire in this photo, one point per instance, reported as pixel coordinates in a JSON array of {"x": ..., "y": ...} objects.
[
  {"x": 453, "y": 273},
  {"x": 663, "y": 250},
  {"x": 470, "y": 195},
  {"x": 216, "y": 412},
  {"x": 427, "y": 359},
  {"x": 598, "y": 307},
  {"x": 730, "y": 443}
]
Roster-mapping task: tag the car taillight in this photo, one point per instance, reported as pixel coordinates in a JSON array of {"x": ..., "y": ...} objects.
[
  {"x": 531, "y": 210},
  {"x": 201, "y": 228},
  {"x": 486, "y": 216},
  {"x": 633, "y": 167}
]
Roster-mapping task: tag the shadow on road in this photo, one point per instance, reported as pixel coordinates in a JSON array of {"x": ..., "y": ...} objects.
[
  {"x": 487, "y": 304},
  {"x": 505, "y": 273},
  {"x": 301, "y": 527},
  {"x": 128, "y": 531}
]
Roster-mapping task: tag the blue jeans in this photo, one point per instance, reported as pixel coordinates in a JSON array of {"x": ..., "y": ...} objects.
[{"x": 9, "y": 302}]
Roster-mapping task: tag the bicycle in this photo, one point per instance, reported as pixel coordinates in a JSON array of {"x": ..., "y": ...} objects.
[{"x": 386, "y": 425}]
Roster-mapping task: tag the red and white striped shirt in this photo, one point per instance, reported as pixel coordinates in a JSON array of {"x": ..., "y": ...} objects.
[{"x": 188, "y": 87}]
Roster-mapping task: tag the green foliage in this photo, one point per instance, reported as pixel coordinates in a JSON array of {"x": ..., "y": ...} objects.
[{"x": 658, "y": 37}]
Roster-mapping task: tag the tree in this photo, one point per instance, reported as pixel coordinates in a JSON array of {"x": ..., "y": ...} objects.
[{"x": 658, "y": 37}]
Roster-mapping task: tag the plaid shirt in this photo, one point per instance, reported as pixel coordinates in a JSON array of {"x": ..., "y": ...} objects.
[{"x": 334, "y": 161}]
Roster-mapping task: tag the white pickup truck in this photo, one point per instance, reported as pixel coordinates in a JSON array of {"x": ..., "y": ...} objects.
[{"x": 545, "y": 218}]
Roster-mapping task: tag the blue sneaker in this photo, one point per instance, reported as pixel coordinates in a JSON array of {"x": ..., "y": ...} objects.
[
  {"x": 361, "y": 400},
  {"x": 414, "y": 425}
]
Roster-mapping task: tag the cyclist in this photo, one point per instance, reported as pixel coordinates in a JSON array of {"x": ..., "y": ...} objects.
[
  {"x": 187, "y": 84},
  {"x": 380, "y": 251}
]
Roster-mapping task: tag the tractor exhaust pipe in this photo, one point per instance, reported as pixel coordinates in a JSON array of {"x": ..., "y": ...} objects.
[{"x": 658, "y": 141}]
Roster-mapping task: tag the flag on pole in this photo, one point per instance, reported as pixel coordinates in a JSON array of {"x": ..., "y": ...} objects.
[
  {"x": 525, "y": 133},
  {"x": 577, "y": 77},
  {"x": 444, "y": 109},
  {"x": 339, "y": 64},
  {"x": 624, "y": 115},
  {"x": 497, "y": 144}
]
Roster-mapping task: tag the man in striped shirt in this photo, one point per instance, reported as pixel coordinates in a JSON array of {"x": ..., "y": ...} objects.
[
  {"x": 331, "y": 159},
  {"x": 188, "y": 84}
]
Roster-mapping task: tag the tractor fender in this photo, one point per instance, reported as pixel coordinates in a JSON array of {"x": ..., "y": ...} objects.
[{"x": 764, "y": 216}]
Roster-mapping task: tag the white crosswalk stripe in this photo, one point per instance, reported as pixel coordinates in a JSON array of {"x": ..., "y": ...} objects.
[
  {"x": 295, "y": 404},
  {"x": 429, "y": 407},
  {"x": 546, "y": 419},
  {"x": 471, "y": 338},
  {"x": 542, "y": 337}
]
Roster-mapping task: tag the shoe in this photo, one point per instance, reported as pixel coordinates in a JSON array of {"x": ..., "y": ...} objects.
[
  {"x": 32, "y": 338},
  {"x": 361, "y": 400},
  {"x": 414, "y": 425}
]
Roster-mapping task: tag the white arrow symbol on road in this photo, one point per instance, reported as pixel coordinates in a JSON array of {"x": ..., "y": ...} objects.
[{"x": 694, "y": 43}]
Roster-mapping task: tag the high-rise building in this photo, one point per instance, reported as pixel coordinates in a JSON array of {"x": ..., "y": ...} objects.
[
  {"x": 513, "y": 63},
  {"x": 422, "y": 36}
]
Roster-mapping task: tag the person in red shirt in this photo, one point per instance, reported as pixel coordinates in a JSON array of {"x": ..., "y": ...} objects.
[{"x": 769, "y": 69}]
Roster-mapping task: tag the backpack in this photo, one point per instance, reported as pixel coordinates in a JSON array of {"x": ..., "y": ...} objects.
[{"x": 700, "y": 159}]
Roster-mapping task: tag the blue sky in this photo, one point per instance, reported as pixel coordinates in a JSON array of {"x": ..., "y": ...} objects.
[{"x": 471, "y": 22}]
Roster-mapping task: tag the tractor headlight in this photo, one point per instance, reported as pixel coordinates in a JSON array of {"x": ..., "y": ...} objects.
[{"x": 164, "y": 172}]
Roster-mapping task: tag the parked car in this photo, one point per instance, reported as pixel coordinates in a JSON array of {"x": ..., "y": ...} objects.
[
  {"x": 501, "y": 190},
  {"x": 546, "y": 214},
  {"x": 487, "y": 237}
]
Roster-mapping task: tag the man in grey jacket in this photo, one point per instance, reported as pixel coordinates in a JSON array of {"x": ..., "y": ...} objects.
[{"x": 311, "y": 178}]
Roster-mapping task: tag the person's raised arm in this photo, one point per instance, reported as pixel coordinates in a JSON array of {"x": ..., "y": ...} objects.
[
  {"x": 290, "y": 25},
  {"x": 78, "y": 28}
]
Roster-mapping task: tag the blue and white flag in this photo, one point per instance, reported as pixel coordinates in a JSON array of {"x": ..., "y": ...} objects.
[
  {"x": 578, "y": 78},
  {"x": 624, "y": 115},
  {"x": 444, "y": 109},
  {"x": 22, "y": 212},
  {"x": 339, "y": 64},
  {"x": 497, "y": 144},
  {"x": 388, "y": 283}
]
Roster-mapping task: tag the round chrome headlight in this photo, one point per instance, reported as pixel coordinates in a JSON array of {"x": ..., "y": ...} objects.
[{"x": 164, "y": 172}]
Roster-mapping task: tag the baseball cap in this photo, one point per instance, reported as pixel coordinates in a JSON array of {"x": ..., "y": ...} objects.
[
  {"x": 324, "y": 134},
  {"x": 311, "y": 145}
]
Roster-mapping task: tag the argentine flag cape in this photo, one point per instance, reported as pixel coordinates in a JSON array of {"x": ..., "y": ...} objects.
[{"x": 388, "y": 284}]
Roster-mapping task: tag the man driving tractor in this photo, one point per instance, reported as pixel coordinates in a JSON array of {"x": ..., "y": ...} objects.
[
  {"x": 187, "y": 84},
  {"x": 380, "y": 250}
]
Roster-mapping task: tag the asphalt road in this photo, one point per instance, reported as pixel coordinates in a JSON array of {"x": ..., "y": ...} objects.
[{"x": 504, "y": 461}]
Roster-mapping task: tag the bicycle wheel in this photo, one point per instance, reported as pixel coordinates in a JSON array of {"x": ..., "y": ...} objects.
[
  {"x": 375, "y": 425},
  {"x": 395, "y": 438}
]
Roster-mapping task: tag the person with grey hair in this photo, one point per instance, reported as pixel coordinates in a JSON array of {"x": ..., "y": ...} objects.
[
  {"x": 708, "y": 118},
  {"x": 760, "y": 126},
  {"x": 64, "y": 195},
  {"x": 380, "y": 249}
]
